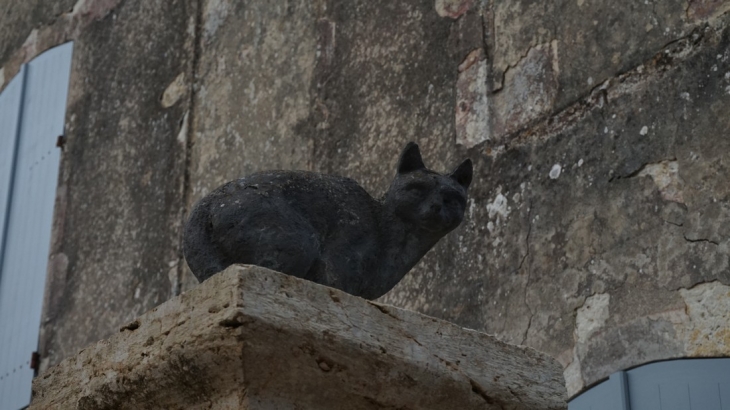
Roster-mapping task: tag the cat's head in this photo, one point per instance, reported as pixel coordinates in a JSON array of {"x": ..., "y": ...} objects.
[{"x": 425, "y": 199}]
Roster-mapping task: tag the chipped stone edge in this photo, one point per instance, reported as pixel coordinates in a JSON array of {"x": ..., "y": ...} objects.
[{"x": 212, "y": 317}]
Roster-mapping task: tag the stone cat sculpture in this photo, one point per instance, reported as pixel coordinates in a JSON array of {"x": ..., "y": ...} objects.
[{"x": 326, "y": 228}]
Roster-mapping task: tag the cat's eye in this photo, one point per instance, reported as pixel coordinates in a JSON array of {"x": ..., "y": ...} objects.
[
  {"x": 418, "y": 186},
  {"x": 454, "y": 198}
]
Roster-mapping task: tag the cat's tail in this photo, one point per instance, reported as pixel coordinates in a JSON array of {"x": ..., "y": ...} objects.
[{"x": 201, "y": 253}]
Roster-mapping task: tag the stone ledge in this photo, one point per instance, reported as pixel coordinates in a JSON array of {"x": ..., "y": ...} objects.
[{"x": 250, "y": 338}]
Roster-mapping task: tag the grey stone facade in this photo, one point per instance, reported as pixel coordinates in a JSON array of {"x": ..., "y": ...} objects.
[{"x": 598, "y": 226}]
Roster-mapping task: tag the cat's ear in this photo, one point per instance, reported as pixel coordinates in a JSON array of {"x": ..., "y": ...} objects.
[
  {"x": 410, "y": 159},
  {"x": 462, "y": 173}
]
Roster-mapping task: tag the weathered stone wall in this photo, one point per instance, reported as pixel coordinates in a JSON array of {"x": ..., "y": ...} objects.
[
  {"x": 598, "y": 228},
  {"x": 115, "y": 247},
  {"x": 19, "y": 18}
]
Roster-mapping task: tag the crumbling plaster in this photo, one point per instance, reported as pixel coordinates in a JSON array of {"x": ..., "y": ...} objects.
[
  {"x": 580, "y": 186},
  {"x": 598, "y": 130}
]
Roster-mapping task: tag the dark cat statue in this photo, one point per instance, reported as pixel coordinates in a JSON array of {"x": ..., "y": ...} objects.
[{"x": 326, "y": 228}]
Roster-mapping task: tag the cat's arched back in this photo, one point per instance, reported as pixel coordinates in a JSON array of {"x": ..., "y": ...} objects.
[{"x": 326, "y": 228}]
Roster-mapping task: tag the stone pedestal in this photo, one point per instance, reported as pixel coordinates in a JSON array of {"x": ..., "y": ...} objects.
[{"x": 250, "y": 338}]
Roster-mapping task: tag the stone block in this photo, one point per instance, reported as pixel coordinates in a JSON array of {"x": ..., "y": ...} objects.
[{"x": 250, "y": 338}]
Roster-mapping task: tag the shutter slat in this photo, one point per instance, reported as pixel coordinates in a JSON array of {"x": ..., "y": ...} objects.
[
  {"x": 24, "y": 264},
  {"x": 10, "y": 108}
]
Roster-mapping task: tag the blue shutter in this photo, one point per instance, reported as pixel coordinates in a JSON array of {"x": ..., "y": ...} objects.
[
  {"x": 10, "y": 102},
  {"x": 689, "y": 384},
  {"x": 681, "y": 384},
  {"x": 24, "y": 254},
  {"x": 10, "y": 106}
]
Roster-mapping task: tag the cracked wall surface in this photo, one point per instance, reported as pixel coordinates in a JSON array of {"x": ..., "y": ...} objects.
[
  {"x": 598, "y": 133},
  {"x": 545, "y": 56},
  {"x": 597, "y": 228},
  {"x": 633, "y": 215},
  {"x": 114, "y": 251}
]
